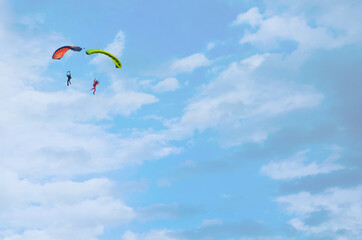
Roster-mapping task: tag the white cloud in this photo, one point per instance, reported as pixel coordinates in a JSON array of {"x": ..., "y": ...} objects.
[
  {"x": 188, "y": 164},
  {"x": 264, "y": 238},
  {"x": 296, "y": 167},
  {"x": 14, "y": 189},
  {"x": 152, "y": 235},
  {"x": 70, "y": 106},
  {"x": 342, "y": 205},
  {"x": 251, "y": 17},
  {"x": 58, "y": 210},
  {"x": 166, "y": 211},
  {"x": 190, "y": 63},
  {"x": 145, "y": 146},
  {"x": 129, "y": 101},
  {"x": 55, "y": 138},
  {"x": 336, "y": 15},
  {"x": 57, "y": 234},
  {"x": 293, "y": 28},
  {"x": 33, "y": 21},
  {"x": 4, "y": 16},
  {"x": 164, "y": 182},
  {"x": 117, "y": 45},
  {"x": 211, "y": 45},
  {"x": 293, "y": 24},
  {"x": 168, "y": 84},
  {"x": 63, "y": 149},
  {"x": 210, "y": 222},
  {"x": 235, "y": 100},
  {"x": 136, "y": 186}
]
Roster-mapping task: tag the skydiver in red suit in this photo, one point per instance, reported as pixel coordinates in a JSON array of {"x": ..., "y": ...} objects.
[{"x": 95, "y": 83}]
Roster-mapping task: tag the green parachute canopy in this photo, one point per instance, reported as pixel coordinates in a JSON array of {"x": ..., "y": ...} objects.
[{"x": 115, "y": 60}]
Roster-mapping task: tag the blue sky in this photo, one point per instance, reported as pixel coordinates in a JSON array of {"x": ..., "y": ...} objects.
[{"x": 230, "y": 120}]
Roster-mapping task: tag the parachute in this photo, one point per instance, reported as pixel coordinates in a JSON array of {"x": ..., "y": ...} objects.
[
  {"x": 115, "y": 60},
  {"x": 59, "y": 53}
]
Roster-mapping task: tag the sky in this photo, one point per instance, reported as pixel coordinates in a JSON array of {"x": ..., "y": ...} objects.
[{"x": 229, "y": 120}]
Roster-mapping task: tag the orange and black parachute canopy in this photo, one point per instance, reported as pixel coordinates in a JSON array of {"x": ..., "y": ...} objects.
[{"x": 59, "y": 53}]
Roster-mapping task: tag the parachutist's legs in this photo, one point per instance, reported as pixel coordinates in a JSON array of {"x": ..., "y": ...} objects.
[
  {"x": 69, "y": 77},
  {"x": 94, "y": 89}
]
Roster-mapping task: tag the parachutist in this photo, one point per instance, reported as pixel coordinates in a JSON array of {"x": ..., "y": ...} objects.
[
  {"x": 95, "y": 83},
  {"x": 69, "y": 77}
]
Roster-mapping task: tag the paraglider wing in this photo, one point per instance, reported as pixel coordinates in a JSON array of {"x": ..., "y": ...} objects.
[
  {"x": 59, "y": 53},
  {"x": 115, "y": 60}
]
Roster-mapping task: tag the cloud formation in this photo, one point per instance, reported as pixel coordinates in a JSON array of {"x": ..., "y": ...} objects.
[
  {"x": 190, "y": 63},
  {"x": 342, "y": 205},
  {"x": 56, "y": 209},
  {"x": 168, "y": 84},
  {"x": 295, "y": 167},
  {"x": 235, "y": 95}
]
